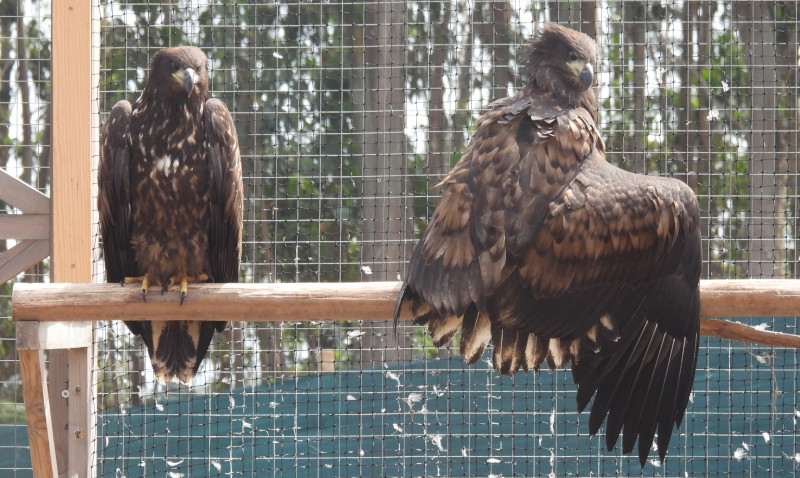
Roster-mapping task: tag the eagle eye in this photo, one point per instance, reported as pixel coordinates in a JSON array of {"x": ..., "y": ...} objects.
[
  {"x": 174, "y": 66},
  {"x": 573, "y": 56}
]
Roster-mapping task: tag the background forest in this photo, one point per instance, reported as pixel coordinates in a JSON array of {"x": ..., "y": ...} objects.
[{"x": 348, "y": 113}]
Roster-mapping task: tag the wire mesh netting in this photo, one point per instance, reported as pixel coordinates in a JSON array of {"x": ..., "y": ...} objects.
[
  {"x": 25, "y": 128},
  {"x": 348, "y": 114}
]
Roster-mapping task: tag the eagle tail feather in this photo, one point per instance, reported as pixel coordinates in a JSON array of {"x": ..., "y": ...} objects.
[
  {"x": 476, "y": 333},
  {"x": 177, "y": 347},
  {"x": 443, "y": 328},
  {"x": 509, "y": 349},
  {"x": 536, "y": 352}
]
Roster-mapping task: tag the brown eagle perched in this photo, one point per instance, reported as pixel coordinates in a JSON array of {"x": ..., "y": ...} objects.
[
  {"x": 556, "y": 256},
  {"x": 170, "y": 200}
]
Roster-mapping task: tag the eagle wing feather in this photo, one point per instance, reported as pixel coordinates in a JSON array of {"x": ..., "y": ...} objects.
[
  {"x": 541, "y": 245},
  {"x": 225, "y": 235}
]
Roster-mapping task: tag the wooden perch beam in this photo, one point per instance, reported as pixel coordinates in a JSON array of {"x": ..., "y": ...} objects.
[{"x": 355, "y": 301}]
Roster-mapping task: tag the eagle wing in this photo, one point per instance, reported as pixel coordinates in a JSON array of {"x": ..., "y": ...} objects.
[
  {"x": 114, "y": 201},
  {"x": 113, "y": 195},
  {"x": 555, "y": 255},
  {"x": 225, "y": 232},
  {"x": 224, "y": 162}
]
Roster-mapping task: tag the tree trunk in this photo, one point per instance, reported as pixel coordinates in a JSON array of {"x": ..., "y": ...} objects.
[
  {"x": 34, "y": 274},
  {"x": 588, "y": 20},
  {"x": 8, "y": 9},
  {"x": 491, "y": 24},
  {"x": 272, "y": 360},
  {"x": 701, "y": 163},
  {"x": 560, "y": 11},
  {"x": 383, "y": 167},
  {"x": 766, "y": 211},
  {"x": 463, "y": 113},
  {"x": 786, "y": 41},
  {"x": 636, "y": 28},
  {"x": 438, "y": 160}
]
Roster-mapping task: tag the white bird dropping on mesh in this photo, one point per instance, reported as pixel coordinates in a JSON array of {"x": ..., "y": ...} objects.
[
  {"x": 355, "y": 333},
  {"x": 394, "y": 377},
  {"x": 739, "y": 454},
  {"x": 437, "y": 441},
  {"x": 414, "y": 398}
]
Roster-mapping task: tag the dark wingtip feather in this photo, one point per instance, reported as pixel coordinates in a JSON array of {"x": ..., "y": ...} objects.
[{"x": 398, "y": 306}]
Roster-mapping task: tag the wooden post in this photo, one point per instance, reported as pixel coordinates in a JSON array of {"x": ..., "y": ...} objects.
[
  {"x": 74, "y": 338},
  {"x": 37, "y": 412},
  {"x": 67, "y": 449},
  {"x": 75, "y": 118}
]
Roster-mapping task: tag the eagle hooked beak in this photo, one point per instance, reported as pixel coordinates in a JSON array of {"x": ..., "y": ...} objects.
[
  {"x": 584, "y": 71},
  {"x": 188, "y": 78}
]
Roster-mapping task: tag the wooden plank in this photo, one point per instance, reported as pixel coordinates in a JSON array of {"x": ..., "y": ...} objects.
[
  {"x": 348, "y": 301},
  {"x": 22, "y": 256},
  {"x": 81, "y": 403},
  {"x": 37, "y": 413},
  {"x": 73, "y": 107},
  {"x": 32, "y": 335},
  {"x": 75, "y": 64},
  {"x": 58, "y": 382},
  {"x": 25, "y": 226},
  {"x": 22, "y": 196}
]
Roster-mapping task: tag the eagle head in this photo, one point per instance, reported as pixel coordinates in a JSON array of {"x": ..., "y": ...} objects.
[
  {"x": 181, "y": 72},
  {"x": 561, "y": 61}
]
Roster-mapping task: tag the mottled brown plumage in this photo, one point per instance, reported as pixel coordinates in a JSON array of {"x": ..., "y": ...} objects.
[
  {"x": 556, "y": 256},
  {"x": 170, "y": 199}
]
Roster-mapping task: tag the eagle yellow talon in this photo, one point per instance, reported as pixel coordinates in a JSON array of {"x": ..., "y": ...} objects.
[
  {"x": 184, "y": 283},
  {"x": 143, "y": 279},
  {"x": 184, "y": 289}
]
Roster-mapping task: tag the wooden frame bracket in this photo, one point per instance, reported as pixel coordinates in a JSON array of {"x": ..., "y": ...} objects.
[{"x": 31, "y": 228}]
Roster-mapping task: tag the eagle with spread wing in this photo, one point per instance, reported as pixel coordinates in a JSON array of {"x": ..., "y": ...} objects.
[
  {"x": 170, "y": 200},
  {"x": 554, "y": 255}
]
